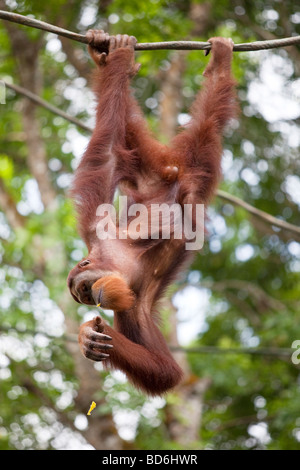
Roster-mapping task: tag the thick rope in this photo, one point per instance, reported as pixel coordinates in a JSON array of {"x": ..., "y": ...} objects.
[{"x": 153, "y": 46}]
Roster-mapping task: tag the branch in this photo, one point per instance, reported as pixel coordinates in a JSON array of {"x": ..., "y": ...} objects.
[
  {"x": 179, "y": 45},
  {"x": 37, "y": 100},
  {"x": 270, "y": 219},
  {"x": 275, "y": 352}
]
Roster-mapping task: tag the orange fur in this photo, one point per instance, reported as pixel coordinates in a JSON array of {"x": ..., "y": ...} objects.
[
  {"x": 116, "y": 296},
  {"x": 130, "y": 276}
]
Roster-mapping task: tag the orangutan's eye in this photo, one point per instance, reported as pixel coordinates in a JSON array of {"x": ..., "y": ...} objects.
[{"x": 84, "y": 263}]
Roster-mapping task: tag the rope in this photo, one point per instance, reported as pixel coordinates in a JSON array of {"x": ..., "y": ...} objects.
[{"x": 153, "y": 46}]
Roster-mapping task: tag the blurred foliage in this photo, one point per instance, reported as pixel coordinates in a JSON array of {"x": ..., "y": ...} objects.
[{"x": 248, "y": 270}]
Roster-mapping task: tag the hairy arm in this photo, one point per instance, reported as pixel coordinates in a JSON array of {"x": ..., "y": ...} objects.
[
  {"x": 201, "y": 141},
  {"x": 136, "y": 346},
  {"x": 216, "y": 101},
  {"x": 94, "y": 179}
]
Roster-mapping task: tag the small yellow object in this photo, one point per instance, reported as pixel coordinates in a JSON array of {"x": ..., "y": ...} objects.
[
  {"x": 98, "y": 305},
  {"x": 93, "y": 405}
]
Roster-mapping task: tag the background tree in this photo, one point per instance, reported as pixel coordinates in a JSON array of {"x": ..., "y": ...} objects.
[{"x": 243, "y": 288}]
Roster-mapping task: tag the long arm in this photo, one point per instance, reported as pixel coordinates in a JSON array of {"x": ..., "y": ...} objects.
[
  {"x": 94, "y": 178},
  {"x": 201, "y": 141},
  {"x": 216, "y": 101}
]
